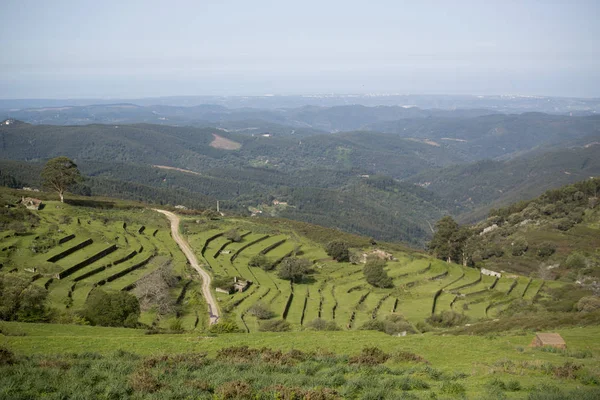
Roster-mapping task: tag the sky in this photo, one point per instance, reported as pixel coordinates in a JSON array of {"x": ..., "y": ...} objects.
[{"x": 147, "y": 48}]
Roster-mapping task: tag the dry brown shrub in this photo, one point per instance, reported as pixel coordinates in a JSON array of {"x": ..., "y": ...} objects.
[
  {"x": 370, "y": 356},
  {"x": 143, "y": 381},
  {"x": 408, "y": 356},
  {"x": 235, "y": 390},
  {"x": 59, "y": 364}
]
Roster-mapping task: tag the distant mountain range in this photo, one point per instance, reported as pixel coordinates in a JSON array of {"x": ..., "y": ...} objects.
[{"x": 391, "y": 179}]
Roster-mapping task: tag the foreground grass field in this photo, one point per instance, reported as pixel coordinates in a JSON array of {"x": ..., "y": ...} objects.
[{"x": 498, "y": 366}]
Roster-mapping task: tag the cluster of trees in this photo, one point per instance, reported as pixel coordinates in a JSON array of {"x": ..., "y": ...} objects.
[
  {"x": 112, "y": 309},
  {"x": 22, "y": 301}
]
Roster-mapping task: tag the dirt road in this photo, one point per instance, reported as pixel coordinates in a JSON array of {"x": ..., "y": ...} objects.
[{"x": 213, "y": 310}]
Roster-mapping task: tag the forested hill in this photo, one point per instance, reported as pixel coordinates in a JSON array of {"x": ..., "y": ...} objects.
[{"x": 554, "y": 236}]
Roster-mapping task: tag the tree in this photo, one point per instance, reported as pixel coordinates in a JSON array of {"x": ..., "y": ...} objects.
[
  {"x": 59, "y": 173},
  {"x": 233, "y": 235},
  {"x": 112, "y": 309},
  {"x": 441, "y": 244},
  {"x": 21, "y": 301},
  {"x": 293, "y": 269},
  {"x": 375, "y": 273},
  {"x": 261, "y": 261},
  {"x": 338, "y": 250}
]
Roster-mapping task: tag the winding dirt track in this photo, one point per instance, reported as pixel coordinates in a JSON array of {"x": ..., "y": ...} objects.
[{"x": 213, "y": 309}]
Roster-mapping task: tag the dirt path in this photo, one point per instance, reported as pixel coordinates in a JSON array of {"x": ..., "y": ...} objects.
[{"x": 213, "y": 309}]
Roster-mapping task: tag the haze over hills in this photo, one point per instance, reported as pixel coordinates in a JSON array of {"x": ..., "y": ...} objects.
[{"x": 350, "y": 180}]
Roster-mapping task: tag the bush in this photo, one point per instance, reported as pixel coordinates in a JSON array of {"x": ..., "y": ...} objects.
[
  {"x": 261, "y": 261},
  {"x": 376, "y": 275},
  {"x": 224, "y": 327},
  {"x": 21, "y": 301},
  {"x": 319, "y": 324},
  {"x": 6, "y": 356},
  {"x": 575, "y": 261},
  {"x": 223, "y": 282},
  {"x": 338, "y": 250},
  {"x": 235, "y": 390},
  {"x": 519, "y": 247},
  {"x": 143, "y": 381},
  {"x": 546, "y": 249},
  {"x": 111, "y": 309},
  {"x": 447, "y": 319},
  {"x": 278, "y": 325},
  {"x": 233, "y": 235},
  {"x": 293, "y": 269},
  {"x": 261, "y": 311},
  {"x": 588, "y": 304},
  {"x": 453, "y": 389},
  {"x": 370, "y": 356}
]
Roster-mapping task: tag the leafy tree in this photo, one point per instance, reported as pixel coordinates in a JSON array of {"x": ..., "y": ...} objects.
[
  {"x": 112, "y": 309},
  {"x": 233, "y": 235},
  {"x": 261, "y": 311},
  {"x": 261, "y": 261},
  {"x": 375, "y": 273},
  {"x": 293, "y": 269},
  {"x": 59, "y": 173},
  {"x": 21, "y": 301},
  {"x": 575, "y": 261},
  {"x": 443, "y": 245},
  {"x": 338, "y": 250}
]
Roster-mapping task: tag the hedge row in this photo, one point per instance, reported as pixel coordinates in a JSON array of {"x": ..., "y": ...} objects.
[
  {"x": 154, "y": 233},
  {"x": 477, "y": 292},
  {"x": 435, "y": 297},
  {"x": 48, "y": 282},
  {"x": 66, "y": 239},
  {"x": 304, "y": 306},
  {"x": 70, "y": 250},
  {"x": 512, "y": 286},
  {"x": 288, "y": 303},
  {"x": 210, "y": 239},
  {"x": 335, "y": 304},
  {"x": 395, "y": 305},
  {"x": 86, "y": 262},
  {"x": 493, "y": 285},
  {"x": 456, "y": 280},
  {"x": 492, "y": 305},
  {"x": 475, "y": 282},
  {"x": 440, "y": 276},
  {"x": 103, "y": 267},
  {"x": 527, "y": 287},
  {"x": 425, "y": 269},
  {"x": 183, "y": 291},
  {"x": 279, "y": 260},
  {"x": 142, "y": 229},
  {"x": 227, "y": 243},
  {"x": 378, "y": 306},
  {"x": 272, "y": 246},
  {"x": 353, "y": 315},
  {"x": 244, "y": 247},
  {"x": 125, "y": 272},
  {"x": 126, "y": 258},
  {"x": 239, "y": 301}
]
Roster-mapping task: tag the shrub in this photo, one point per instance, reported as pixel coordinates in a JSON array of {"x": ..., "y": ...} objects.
[
  {"x": 376, "y": 275},
  {"x": 519, "y": 247},
  {"x": 293, "y": 269},
  {"x": 370, "y": 356},
  {"x": 278, "y": 325},
  {"x": 143, "y": 381},
  {"x": 233, "y": 235},
  {"x": 223, "y": 282},
  {"x": 453, "y": 389},
  {"x": 338, "y": 250},
  {"x": 111, "y": 309},
  {"x": 588, "y": 304},
  {"x": 224, "y": 327},
  {"x": 447, "y": 319},
  {"x": 235, "y": 390},
  {"x": 261, "y": 261},
  {"x": 546, "y": 249},
  {"x": 261, "y": 311},
  {"x": 575, "y": 261},
  {"x": 319, "y": 324},
  {"x": 6, "y": 356}
]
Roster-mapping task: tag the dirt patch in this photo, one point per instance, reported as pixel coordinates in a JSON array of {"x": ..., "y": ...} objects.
[
  {"x": 187, "y": 171},
  {"x": 222, "y": 143}
]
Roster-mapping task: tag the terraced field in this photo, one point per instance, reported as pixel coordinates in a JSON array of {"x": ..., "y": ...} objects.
[
  {"x": 113, "y": 249},
  {"x": 86, "y": 248},
  {"x": 338, "y": 291}
]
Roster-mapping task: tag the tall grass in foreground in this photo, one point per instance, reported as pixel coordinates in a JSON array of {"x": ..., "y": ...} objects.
[{"x": 246, "y": 373}]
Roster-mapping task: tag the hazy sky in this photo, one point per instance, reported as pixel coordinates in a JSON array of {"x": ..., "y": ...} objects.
[{"x": 125, "y": 48}]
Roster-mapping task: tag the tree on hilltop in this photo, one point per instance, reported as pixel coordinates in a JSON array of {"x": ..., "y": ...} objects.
[{"x": 59, "y": 173}]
